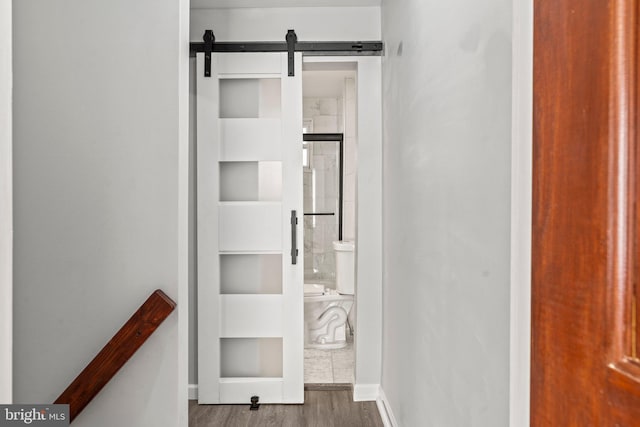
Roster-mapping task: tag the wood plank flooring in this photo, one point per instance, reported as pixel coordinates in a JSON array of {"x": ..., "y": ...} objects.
[{"x": 322, "y": 408}]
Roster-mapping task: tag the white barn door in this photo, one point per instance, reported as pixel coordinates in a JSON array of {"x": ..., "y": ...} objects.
[{"x": 249, "y": 181}]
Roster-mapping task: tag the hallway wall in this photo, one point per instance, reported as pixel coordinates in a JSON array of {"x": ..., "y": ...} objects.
[
  {"x": 96, "y": 171},
  {"x": 6, "y": 208},
  {"x": 447, "y": 109},
  {"x": 271, "y": 24}
]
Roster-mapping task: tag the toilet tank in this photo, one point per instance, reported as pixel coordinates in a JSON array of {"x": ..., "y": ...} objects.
[{"x": 345, "y": 266}]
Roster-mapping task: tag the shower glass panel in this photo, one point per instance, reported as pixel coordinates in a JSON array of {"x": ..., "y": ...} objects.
[{"x": 322, "y": 180}]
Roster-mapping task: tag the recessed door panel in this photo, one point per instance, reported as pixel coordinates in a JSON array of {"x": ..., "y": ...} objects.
[
  {"x": 230, "y": 65},
  {"x": 244, "y": 316},
  {"x": 250, "y": 227},
  {"x": 251, "y": 358},
  {"x": 250, "y": 139},
  {"x": 250, "y": 274},
  {"x": 270, "y": 390}
]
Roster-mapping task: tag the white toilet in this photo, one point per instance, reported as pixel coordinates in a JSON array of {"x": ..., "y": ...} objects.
[{"x": 325, "y": 309}]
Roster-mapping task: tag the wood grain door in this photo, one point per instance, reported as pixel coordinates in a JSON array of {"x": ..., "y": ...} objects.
[{"x": 585, "y": 366}]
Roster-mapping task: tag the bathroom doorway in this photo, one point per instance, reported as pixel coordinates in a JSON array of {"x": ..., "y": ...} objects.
[{"x": 329, "y": 178}]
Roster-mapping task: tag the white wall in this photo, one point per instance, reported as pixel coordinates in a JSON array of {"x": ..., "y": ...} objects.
[
  {"x": 311, "y": 24},
  {"x": 447, "y": 164},
  {"x": 97, "y": 173},
  {"x": 350, "y": 158},
  {"x": 281, "y": 3},
  {"x": 521, "y": 204},
  {"x": 368, "y": 340},
  {"x": 6, "y": 284}
]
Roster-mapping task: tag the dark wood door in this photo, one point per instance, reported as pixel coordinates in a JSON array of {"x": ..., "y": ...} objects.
[{"x": 585, "y": 367}]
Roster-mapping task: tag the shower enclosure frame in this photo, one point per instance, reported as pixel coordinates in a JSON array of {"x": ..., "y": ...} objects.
[{"x": 339, "y": 138}]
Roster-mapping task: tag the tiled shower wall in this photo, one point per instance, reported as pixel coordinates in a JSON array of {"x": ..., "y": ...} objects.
[{"x": 329, "y": 115}]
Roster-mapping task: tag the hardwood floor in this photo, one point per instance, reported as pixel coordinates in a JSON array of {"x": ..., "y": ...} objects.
[{"x": 322, "y": 408}]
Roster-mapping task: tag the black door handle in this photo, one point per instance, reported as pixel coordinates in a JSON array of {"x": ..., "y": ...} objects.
[{"x": 294, "y": 238}]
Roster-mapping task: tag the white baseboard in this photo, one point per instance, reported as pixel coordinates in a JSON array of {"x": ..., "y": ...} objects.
[
  {"x": 365, "y": 392},
  {"x": 388, "y": 419},
  {"x": 193, "y": 391}
]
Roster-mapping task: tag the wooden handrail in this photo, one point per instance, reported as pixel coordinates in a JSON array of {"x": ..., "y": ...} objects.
[{"x": 116, "y": 353}]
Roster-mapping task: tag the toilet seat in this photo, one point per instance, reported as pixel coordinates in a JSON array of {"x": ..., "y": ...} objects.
[
  {"x": 313, "y": 289},
  {"x": 328, "y": 297}
]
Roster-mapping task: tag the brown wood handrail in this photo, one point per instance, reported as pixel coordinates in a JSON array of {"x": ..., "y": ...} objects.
[{"x": 116, "y": 352}]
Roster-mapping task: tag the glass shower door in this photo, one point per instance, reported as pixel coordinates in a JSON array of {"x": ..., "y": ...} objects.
[{"x": 323, "y": 194}]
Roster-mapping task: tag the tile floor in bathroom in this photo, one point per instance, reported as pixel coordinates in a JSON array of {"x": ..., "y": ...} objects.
[{"x": 329, "y": 366}]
